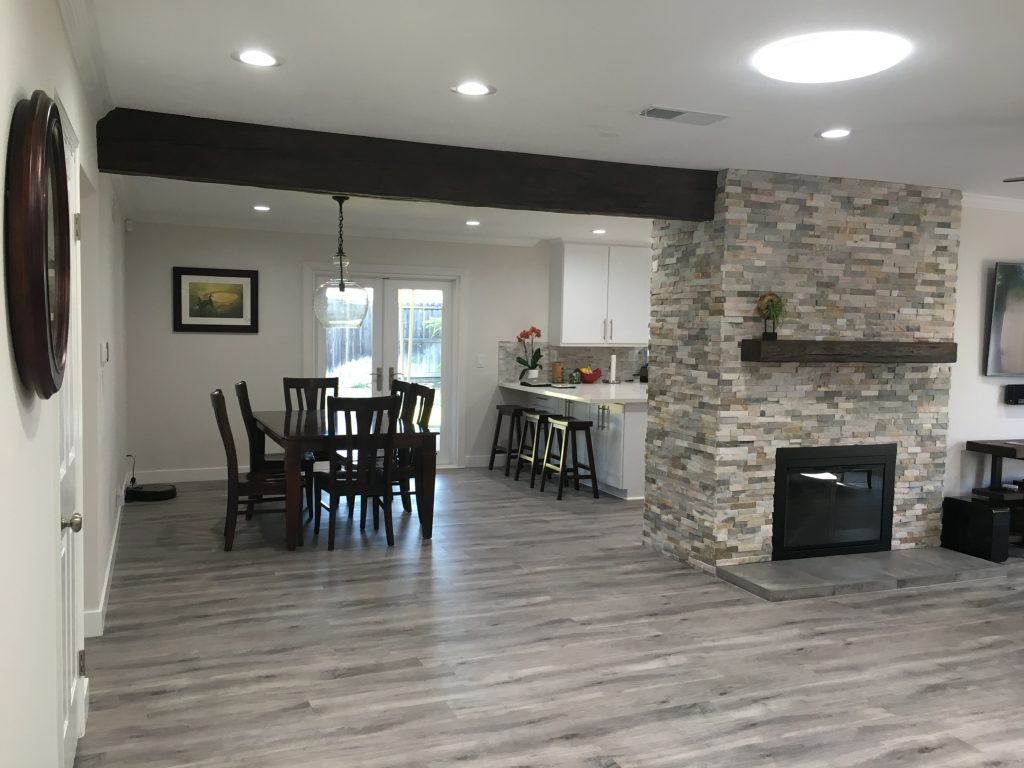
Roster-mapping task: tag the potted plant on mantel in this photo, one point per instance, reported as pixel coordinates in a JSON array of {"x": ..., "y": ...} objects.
[
  {"x": 531, "y": 354},
  {"x": 772, "y": 309}
]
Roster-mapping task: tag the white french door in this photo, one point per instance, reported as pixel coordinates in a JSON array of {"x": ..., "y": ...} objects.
[
  {"x": 72, "y": 694},
  {"x": 408, "y": 334}
]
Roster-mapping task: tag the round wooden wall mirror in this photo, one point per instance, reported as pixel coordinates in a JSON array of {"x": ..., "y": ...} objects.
[{"x": 37, "y": 244}]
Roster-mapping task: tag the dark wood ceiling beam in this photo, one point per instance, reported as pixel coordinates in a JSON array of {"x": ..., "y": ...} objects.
[{"x": 139, "y": 143}]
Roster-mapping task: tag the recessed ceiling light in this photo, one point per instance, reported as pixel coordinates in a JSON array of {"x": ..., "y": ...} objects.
[
  {"x": 830, "y": 57},
  {"x": 473, "y": 88},
  {"x": 599, "y": 231},
  {"x": 261, "y": 208},
  {"x": 472, "y": 223},
  {"x": 255, "y": 57},
  {"x": 835, "y": 133}
]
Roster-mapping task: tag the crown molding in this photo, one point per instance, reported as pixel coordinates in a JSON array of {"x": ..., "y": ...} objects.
[{"x": 993, "y": 202}]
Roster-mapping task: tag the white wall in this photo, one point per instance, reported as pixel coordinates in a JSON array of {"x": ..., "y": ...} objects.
[
  {"x": 104, "y": 415},
  {"x": 171, "y": 375},
  {"x": 976, "y": 410},
  {"x": 34, "y": 53}
]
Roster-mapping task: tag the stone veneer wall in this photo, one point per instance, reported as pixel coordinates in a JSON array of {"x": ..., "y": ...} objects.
[{"x": 854, "y": 260}]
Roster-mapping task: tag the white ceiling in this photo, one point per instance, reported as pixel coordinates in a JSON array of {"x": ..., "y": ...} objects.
[
  {"x": 217, "y": 205},
  {"x": 573, "y": 75}
]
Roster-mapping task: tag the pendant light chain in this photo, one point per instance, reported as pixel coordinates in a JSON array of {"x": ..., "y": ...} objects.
[{"x": 340, "y": 199}]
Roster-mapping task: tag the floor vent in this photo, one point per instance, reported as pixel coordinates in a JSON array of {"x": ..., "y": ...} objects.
[{"x": 681, "y": 116}]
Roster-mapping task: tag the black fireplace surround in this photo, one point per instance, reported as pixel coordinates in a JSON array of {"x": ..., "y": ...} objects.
[{"x": 834, "y": 500}]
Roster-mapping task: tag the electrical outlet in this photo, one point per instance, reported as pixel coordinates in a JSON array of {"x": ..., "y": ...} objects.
[{"x": 480, "y": 361}]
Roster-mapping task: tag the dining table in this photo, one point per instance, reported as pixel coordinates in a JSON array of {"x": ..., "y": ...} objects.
[{"x": 300, "y": 432}]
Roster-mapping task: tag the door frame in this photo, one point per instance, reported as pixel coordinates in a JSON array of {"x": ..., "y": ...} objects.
[{"x": 459, "y": 280}]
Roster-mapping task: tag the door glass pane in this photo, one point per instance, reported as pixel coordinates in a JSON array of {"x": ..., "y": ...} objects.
[
  {"x": 348, "y": 354},
  {"x": 420, "y": 314}
]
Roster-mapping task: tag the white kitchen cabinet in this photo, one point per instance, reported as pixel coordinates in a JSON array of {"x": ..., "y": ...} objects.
[
  {"x": 607, "y": 435},
  {"x": 619, "y": 434},
  {"x": 600, "y": 295}
]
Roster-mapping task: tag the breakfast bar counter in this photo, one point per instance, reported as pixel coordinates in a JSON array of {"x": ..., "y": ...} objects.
[
  {"x": 618, "y": 413},
  {"x": 627, "y": 393}
]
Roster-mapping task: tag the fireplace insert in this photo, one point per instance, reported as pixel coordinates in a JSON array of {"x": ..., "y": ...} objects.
[{"x": 833, "y": 500}]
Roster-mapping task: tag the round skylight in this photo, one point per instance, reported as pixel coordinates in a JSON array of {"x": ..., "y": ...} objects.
[
  {"x": 835, "y": 133},
  {"x": 473, "y": 88},
  {"x": 831, "y": 57},
  {"x": 255, "y": 57}
]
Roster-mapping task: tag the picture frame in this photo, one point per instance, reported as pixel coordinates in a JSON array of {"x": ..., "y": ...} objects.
[{"x": 208, "y": 300}]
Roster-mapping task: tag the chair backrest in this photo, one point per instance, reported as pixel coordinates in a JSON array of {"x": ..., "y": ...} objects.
[
  {"x": 418, "y": 404},
  {"x": 400, "y": 387},
  {"x": 310, "y": 393},
  {"x": 220, "y": 411},
  {"x": 251, "y": 431},
  {"x": 370, "y": 419}
]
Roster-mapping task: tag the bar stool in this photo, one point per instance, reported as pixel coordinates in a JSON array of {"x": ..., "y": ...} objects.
[
  {"x": 531, "y": 444},
  {"x": 515, "y": 428},
  {"x": 566, "y": 430}
]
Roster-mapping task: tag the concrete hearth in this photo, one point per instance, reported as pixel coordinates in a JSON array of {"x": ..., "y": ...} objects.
[{"x": 847, "y": 574}]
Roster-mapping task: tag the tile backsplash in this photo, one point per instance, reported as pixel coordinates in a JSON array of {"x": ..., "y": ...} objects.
[{"x": 627, "y": 359}]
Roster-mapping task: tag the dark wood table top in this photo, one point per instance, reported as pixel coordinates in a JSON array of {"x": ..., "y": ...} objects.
[
  {"x": 1006, "y": 449},
  {"x": 313, "y": 425}
]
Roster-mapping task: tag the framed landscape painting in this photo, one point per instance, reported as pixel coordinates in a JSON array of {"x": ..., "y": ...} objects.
[{"x": 216, "y": 300}]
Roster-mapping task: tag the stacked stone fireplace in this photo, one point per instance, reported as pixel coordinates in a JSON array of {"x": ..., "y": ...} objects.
[{"x": 855, "y": 260}]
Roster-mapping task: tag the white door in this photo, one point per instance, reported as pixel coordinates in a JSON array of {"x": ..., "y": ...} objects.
[
  {"x": 409, "y": 334},
  {"x": 71, "y": 643},
  {"x": 629, "y": 295}
]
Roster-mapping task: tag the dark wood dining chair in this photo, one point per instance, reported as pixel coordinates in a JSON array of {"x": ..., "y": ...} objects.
[
  {"x": 249, "y": 489},
  {"x": 356, "y": 472},
  {"x": 259, "y": 460},
  {"x": 417, "y": 407},
  {"x": 308, "y": 394}
]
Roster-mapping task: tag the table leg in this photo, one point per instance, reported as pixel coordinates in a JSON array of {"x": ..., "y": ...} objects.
[
  {"x": 996, "y": 478},
  {"x": 293, "y": 492},
  {"x": 426, "y": 474}
]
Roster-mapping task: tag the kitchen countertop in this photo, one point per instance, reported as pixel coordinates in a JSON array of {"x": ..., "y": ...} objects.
[{"x": 626, "y": 393}]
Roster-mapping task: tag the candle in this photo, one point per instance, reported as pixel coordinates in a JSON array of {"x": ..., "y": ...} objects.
[{"x": 611, "y": 375}]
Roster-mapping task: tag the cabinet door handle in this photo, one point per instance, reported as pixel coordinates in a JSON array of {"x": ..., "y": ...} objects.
[
  {"x": 604, "y": 329},
  {"x": 611, "y": 329}
]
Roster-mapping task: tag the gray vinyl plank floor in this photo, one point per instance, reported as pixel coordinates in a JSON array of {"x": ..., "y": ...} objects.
[{"x": 528, "y": 632}]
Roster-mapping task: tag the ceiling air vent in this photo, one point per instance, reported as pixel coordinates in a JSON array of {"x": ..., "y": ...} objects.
[{"x": 681, "y": 116}]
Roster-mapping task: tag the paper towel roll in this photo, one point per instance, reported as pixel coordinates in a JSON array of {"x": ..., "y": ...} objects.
[{"x": 611, "y": 374}]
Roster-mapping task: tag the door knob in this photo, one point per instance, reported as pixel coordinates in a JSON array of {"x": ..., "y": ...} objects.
[{"x": 74, "y": 523}]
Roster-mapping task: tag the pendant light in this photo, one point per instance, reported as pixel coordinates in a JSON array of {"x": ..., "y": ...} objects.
[{"x": 340, "y": 302}]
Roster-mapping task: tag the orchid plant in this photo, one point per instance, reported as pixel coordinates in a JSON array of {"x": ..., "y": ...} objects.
[{"x": 531, "y": 355}]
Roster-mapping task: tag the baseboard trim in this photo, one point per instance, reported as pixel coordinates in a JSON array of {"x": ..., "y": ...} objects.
[
  {"x": 184, "y": 474},
  {"x": 480, "y": 460},
  {"x": 95, "y": 618}
]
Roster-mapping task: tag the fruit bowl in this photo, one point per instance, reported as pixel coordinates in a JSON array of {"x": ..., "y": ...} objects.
[{"x": 590, "y": 378}]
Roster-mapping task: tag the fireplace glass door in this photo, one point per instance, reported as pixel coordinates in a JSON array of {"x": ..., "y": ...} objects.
[
  {"x": 833, "y": 500},
  {"x": 838, "y": 505}
]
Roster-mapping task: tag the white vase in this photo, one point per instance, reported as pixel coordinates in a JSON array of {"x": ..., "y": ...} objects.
[{"x": 532, "y": 373}]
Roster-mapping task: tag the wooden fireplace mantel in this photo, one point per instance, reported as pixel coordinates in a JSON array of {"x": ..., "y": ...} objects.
[{"x": 829, "y": 351}]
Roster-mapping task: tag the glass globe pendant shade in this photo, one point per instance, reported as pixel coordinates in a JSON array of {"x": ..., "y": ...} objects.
[
  {"x": 336, "y": 306},
  {"x": 340, "y": 302}
]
